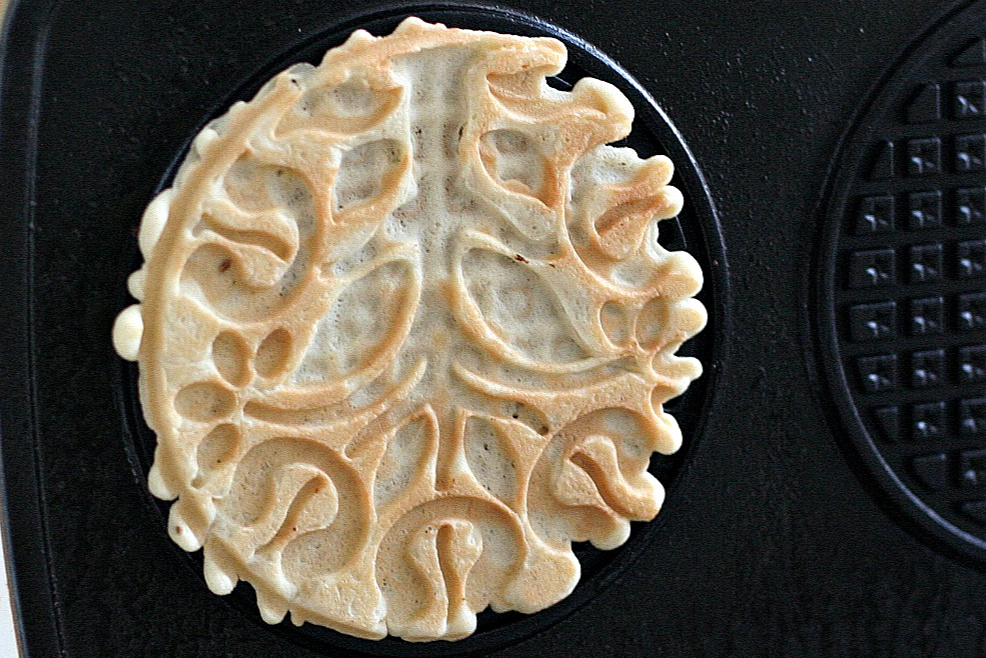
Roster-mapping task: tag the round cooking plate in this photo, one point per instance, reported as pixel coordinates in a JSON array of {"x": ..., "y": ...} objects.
[
  {"x": 901, "y": 291},
  {"x": 695, "y": 230}
]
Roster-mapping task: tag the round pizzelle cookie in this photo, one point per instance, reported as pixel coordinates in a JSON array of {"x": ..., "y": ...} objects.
[{"x": 406, "y": 331}]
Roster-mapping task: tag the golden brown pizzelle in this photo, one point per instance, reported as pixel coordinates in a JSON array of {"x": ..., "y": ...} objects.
[{"x": 405, "y": 332}]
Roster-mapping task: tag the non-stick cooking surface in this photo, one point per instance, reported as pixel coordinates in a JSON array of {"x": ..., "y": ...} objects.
[{"x": 775, "y": 538}]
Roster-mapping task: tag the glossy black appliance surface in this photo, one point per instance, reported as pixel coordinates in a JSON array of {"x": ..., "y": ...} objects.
[{"x": 783, "y": 532}]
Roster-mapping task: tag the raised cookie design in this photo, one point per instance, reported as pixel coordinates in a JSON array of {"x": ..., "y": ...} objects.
[{"x": 406, "y": 331}]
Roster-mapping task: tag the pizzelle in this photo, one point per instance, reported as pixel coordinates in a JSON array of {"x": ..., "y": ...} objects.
[{"x": 405, "y": 332}]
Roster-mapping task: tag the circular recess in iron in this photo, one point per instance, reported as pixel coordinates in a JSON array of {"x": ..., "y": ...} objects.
[
  {"x": 901, "y": 285},
  {"x": 696, "y": 230}
]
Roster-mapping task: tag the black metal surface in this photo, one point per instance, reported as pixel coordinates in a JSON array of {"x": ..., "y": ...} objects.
[{"x": 774, "y": 541}]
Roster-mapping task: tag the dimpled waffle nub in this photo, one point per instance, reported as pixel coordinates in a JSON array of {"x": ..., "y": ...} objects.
[{"x": 406, "y": 331}]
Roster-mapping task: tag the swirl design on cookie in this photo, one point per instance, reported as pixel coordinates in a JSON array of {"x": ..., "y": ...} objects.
[{"x": 405, "y": 333}]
